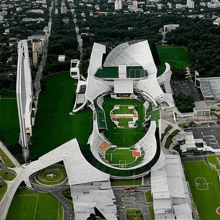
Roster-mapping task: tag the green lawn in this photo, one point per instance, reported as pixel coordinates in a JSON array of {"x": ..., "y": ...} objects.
[
  {"x": 7, "y": 161},
  {"x": 54, "y": 126},
  {"x": 8, "y": 94},
  {"x": 58, "y": 175},
  {"x": 9, "y": 124},
  {"x": 115, "y": 182},
  {"x": 175, "y": 56},
  {"x": 119, "y": 156},
  {"x": 148, "y": 196},
  {"x": 124, "y": 122},
  {"x": 155, "y": 115},
  {"x": 6, "y": 175},
  {"x": 207, "y": 201},
  {"x": 3, "y": 189},
  {"x": 123, "y": 137},
  {"x": 213, "y": 160},
  {"x": 134, "y": 214},
  {"x": 151, "y": 210},
  {"x": 29, "y": 205}
]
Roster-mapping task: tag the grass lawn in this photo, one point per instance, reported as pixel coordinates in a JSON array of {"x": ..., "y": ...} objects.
[
  {"x": 6, "y": 175},
  {"x": 155, "y": 116},
  {"x": 28, "y": 205},
  {"x": 213, "y": 160},
  {"x": 126, "y": 182},
  {"x": 169, "y": 139},
  {"x": 124, "y": 122},
  {"x": 3, "y": 189},
  {"x": 134, "y": 214},
  {"x": 207, "y": 201},
  {"x": 123, "y": 137},
  {"x": 7, "y": 161},
  {"x": 168, "y": 128},
  {"x": 148, "y": 196},
  {"x": 8, "y": 94},
  {"x": 175, "y": 56},
  {"x": 52, "y": 175},
  {"x": 119, "y": 156},
  {"x": 9, "y": 124},
  {"x": 151, "y": 210},
  {"x": 108, "y": 72},
  {"x": 54, "y": 126},
  {"x": 182, "y": 125}
]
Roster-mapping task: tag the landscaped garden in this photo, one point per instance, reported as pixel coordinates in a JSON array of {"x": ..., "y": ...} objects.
[
  {"x": 7, "y": 175},
  {"x": 52, "y": 175},
  {"x": 115, "y": 182},
  {"x": 134, "y": 214},
  {"x": 205, "y": 188},
  {"x": 27, "y": 205}
]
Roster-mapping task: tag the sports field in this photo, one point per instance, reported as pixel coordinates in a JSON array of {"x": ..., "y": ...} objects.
[
  {"x": 30, "y": 205},
  {"x": 119, "y": 156},
  {"x": 123, "y": 137},
  {"x": 9, "y": 124},
  {"x": 205, "y": 188},
  {"x": 175, "y": 56},
  {"x": 54, "y": 126}
]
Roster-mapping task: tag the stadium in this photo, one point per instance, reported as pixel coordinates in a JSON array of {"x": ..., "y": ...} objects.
[{"x": 125, "y": 95}]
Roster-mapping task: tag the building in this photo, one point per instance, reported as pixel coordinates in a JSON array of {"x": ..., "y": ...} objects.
[
  {"x": 61, "y": 58},
  {"x": 118, "y": 5},
  {"x": 36, "y": 50},
  {"x": 201, "y": 109},
  {"x": 170, "y": 27},
  {"x": 24, "y": 92},
  {"x": 128, "y": 69},
  {"x": 171, "y": 199},
  {"x": 190, "y": 4},
  {"x": 217, "y": 21},
  {"x": 74, "y": 69},
  {"x": 198, "y": 139}
]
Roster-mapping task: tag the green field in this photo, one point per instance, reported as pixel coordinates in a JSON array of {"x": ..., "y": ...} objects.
[
  {"x": 8, "y": 94},
  {"x": 119, "y": 156},
  {"x": 58, "y": 173},
  {"x": 213, "y": 160},
  {"x": 207, "y": 201},
  {"x": 175, "y": 56},
  {"x": 123, "y": 137},
  {"x": 30, "y": 205},
  {"x": 9, "y": 124},
  {"x": 54, "y": 126}
]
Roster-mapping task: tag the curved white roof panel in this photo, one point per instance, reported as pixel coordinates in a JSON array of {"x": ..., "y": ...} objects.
[{"x": 132, "y": 54}]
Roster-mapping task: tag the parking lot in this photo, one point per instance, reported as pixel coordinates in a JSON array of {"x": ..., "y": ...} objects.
[{"x": 187, "y": 88}]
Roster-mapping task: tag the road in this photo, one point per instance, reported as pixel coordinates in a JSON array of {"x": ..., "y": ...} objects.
[
  {"x": 136, "y": 201},
  {"x": 79, "y": 39}
]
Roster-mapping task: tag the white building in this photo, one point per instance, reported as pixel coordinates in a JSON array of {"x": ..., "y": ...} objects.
[
  {"x": 170, "y": 192},
  {"x": 24, "y": 93},
  {"x": 118, "y": 5},
  {"x": 190, "y": 4},
  {"x": 170, "y": 27}
]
